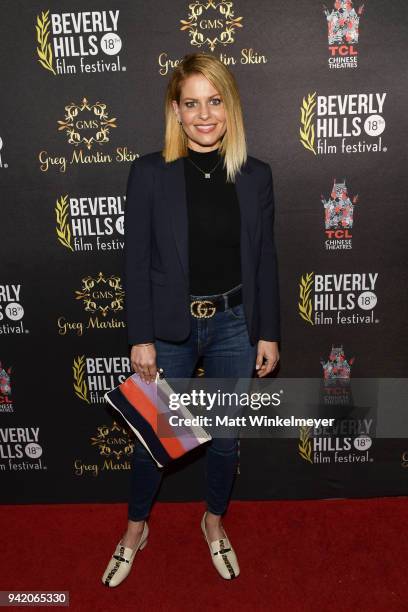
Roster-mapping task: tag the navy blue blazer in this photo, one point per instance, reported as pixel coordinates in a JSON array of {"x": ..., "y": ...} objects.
[{"x": 156, "y": 278}]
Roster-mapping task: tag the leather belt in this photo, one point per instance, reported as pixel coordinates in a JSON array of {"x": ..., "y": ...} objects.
[{"x": 206, "y": 308}]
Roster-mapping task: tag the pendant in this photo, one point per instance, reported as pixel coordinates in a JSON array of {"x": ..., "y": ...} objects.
[{"x": 207, "y": 175}]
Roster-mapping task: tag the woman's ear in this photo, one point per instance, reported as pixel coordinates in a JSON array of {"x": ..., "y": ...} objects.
[{"x": 176, "y": 109}]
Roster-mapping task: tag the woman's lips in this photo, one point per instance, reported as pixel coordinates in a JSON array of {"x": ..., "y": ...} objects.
[{"x": 205, "y": 128}]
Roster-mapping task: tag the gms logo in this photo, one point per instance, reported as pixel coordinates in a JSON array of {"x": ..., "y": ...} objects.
[
  {"x": 338, "y": 216},
  {"x": 347, "y": 441},
  {"x": 93, "y": 376},
  {"x": 87, "y": 123},
  {"x": 20, "y": 449},
  {"x": 67, "y": 41},
  {"x": 115, "y": 446},
  {"x": 343, "y": 23},
  {"x": 211, "y": 23},
  {"x": 101, "y": 296},
  {"x": 211, "y": 26},
  {"x": 341, "y": 123},
  {"x": 342, "y": 299},
  {"x": 6, "y": 403},
  {"x": 86, "y": 127},
  {"x": 83, "y": 221},
  {"x": 11, "y": 311}
]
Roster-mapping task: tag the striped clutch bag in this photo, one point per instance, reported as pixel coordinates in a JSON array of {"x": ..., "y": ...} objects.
[{"x": 145, "y": 407}]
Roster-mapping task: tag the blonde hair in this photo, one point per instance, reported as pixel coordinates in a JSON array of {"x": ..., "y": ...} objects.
[{"x": 233, "y": 145}]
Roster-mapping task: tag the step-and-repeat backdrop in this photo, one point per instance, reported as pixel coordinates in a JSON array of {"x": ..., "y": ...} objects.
[{"x": 324, "y": 96}]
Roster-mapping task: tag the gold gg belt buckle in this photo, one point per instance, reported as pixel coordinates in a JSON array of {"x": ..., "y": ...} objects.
[{"x": 202, "y": 309}]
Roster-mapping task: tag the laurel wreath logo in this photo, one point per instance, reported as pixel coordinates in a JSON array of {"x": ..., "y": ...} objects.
[
  {"x": 305, "y": 303},
  {"x": 224, "y": 8},
  {"x": 44, "y": 50},
  {"x": 80, "y": 386},
  {"x": 117, "y": 433},
  {"x": 62, "y": 228},
  {"x": 307, "y": 133},
  {"x": 305, "y": 445}
]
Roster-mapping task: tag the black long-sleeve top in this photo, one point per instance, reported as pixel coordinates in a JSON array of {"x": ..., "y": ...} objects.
[{"x": 214, "y": 225}]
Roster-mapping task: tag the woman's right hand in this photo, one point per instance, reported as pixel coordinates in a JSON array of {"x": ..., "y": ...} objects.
[{"x": 143, "y": 361}]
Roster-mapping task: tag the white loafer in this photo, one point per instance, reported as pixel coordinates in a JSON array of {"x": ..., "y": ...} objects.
[
  {"x": 122, "y": 559},
  {"x": 222, "y": 554}
]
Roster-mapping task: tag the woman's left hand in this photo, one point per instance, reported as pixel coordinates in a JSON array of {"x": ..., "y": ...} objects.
[{"x": 268, "y": 351}]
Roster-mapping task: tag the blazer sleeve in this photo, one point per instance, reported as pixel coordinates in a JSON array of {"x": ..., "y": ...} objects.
[
  {"x": 137, "y": 251},
  {"x": 267, "y": 275}
]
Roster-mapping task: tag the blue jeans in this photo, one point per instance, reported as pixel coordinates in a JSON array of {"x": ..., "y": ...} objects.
[{"x": 223, "y": 343}]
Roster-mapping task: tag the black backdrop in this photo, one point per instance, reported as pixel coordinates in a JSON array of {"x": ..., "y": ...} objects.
[{"x": 82, "y": 94}]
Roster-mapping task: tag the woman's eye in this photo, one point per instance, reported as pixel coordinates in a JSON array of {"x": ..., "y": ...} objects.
[{"x": 214, "y": 101}]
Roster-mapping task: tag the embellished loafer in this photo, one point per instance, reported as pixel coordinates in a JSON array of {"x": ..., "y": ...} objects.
[
  {"x": 122, "y": 559},
  {"x": 222, "y": 554}
]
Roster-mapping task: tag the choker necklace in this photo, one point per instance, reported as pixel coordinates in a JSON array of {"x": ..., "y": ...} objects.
[{"x": 207, "y": 175}]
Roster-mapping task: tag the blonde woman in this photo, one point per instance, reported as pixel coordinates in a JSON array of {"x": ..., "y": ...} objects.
[{"x": 200, "y": 278}]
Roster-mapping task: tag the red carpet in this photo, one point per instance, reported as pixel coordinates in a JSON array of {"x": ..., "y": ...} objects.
[{"x": 309, "y": 556}]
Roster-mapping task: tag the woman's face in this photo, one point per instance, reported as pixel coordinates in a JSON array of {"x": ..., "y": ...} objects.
[{"x": 202, "y": 113}]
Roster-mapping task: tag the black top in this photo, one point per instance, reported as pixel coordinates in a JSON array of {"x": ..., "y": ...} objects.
[{"x": 214, "y": 225}]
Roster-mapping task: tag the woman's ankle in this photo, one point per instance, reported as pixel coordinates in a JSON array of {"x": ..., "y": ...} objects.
[
  {"x": 212, "y": 519},
  {"x": 135, "y": 526}
]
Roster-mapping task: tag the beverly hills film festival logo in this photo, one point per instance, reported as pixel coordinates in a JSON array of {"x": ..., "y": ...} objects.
[
  {"x": 20, "y": 449},
  {"x": 6, "y": 401},
  {"x": 343, "y": 31},
  {"x": 103, "y": 298},
  {"x": 212, "y": 27},
  {"x": 114, "y": 444},
  {"x": 92, "y": 223},
  {"x": 94, "y": 376},
  {"x": 345, "y": 123},
  {"x": 338, "y": 299},
  {"x": 79, "y": 43},
  {"x": 87, "y": 128},
  {"x": 347, "y": 441},
  {"x": 339, "y": 217},
  {"x": 11, "y": 310}
]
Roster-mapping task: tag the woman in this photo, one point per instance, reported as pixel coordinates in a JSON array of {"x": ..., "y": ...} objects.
[{"x": 200, "y": 277}]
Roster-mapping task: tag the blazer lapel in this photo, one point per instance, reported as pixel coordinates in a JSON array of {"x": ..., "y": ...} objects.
[
  {"x": 175, "y": 193},
  {"x": 247, "y": 194}
]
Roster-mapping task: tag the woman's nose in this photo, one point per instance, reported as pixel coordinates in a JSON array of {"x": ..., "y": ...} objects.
[{"x": 204, "y": 111}]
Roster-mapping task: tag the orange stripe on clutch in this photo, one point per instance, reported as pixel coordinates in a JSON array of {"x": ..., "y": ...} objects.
[{"x": 148, "y": 411}]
